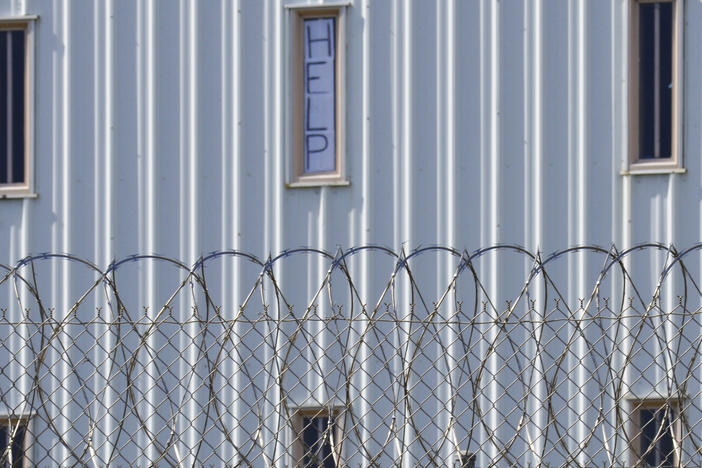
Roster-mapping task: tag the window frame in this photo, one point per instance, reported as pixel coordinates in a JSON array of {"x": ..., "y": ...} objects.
[
  {"x": 298, "y": 449},
  {"x": 26, "y": 421},
  {"x": 639, "y": 404},
  {"x": 24, "y": 189},
  {"x": 296, "y": 175},
  {"x": 674, "y": 164}
]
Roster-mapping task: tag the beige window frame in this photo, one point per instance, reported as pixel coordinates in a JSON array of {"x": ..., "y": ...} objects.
[
  {"x": 674, "y": 163},
  {"x": 11, "y": 423},
  {"x": 635, "y": 426},
  {"x": 298, "y": 446},
  {"x": 297, "y": 177},
  {"x": 25, "y": 188}
]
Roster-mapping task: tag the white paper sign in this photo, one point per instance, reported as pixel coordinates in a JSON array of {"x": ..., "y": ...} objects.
[{"x": 319, "y": 95}]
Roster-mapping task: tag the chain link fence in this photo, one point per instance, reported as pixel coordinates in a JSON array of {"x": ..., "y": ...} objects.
[{"x": 358, "y": 358}]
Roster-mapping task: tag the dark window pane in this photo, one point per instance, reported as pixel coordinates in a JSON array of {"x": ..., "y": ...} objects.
[
  {"x": 18, "y": 447},
  {"x": 657, "y": 438},
  {"x": 12, "y": 112},
  {"x": 317, "y": 442},
  {"x": 16, "y": 444},
  {"x": 5, "y": 114},
  {"x": 655, "y": 80},
  {"x": 18, "y": 82},
  {"x": 4, "y": 442}
]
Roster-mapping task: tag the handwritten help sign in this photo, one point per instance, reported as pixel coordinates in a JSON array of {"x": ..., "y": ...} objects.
[{"x": 319, "y": 95}]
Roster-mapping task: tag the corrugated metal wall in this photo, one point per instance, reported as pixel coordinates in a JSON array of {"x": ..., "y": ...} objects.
[{"x": 160, "y": 127}]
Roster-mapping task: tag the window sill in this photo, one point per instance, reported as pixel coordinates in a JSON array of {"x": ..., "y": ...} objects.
[
  {"x": 15, "y": 195},
  {"x": 642, "y": 170},
  {"x": 20, "y": 18},
  {"x": 318, "y": 6},
  {"x": 311, "y": 183}
]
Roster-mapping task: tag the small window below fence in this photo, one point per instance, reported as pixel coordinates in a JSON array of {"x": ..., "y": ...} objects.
[
  {"x": 317, "y": 439},
  {"x": 656, "y": 434},
  {"x": 15, "y": 443},
  {"x": 465, "y": 460}
]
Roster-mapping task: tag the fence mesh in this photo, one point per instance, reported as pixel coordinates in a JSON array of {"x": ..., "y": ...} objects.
[{"x": 431, "y": 358}]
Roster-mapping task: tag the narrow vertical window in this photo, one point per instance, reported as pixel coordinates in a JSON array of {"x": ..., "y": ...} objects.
[
  {"x": 16, "y": 88},
  {"x": 319, "y": 145},
  {"x": 656, "y": 435},
  {"x": 316, "y": 115},
  {"x": 655, "y": 76},
  {"x": 655, "y": 80},
  {"x": 12, "y": 80}
]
